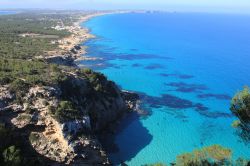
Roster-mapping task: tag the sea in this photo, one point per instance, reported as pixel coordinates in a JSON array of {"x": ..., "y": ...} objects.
[
  {"x": 7, "y": 12},
  {"x": 186, "y": 68}
]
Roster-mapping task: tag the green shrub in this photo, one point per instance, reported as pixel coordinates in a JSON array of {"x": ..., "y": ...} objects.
[
  {"x": 5, "y": 79},
  {"x": 240, "y": 105},
  {"x": 18, "y": 86},
  {"x": 66, "y": 112},
  {"x": 24, "y": 117},
  {"x": 12, "y": 156},
  {"x": 155, "y": 164},
  {"x": 87, "y": 71},
  {"x": 211, "y": 155},
  {"x": 22, "y": 74},
  {"x": 33, "y": 137},
  {"x": 4, "y": 133},
  {"x": 236, "y": 124}
]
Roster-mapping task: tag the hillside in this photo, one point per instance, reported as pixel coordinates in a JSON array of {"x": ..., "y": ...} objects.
[{"x": 51, "y": 110}]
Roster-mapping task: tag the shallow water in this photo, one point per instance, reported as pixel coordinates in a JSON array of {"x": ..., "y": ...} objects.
[{"x": 186, "y": 68}]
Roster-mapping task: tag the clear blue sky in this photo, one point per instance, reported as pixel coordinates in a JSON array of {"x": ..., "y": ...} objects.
[{"x": 173, "y": 5}]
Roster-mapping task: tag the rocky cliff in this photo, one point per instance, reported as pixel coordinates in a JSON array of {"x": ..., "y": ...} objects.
[{"x": 62, "y": 120}]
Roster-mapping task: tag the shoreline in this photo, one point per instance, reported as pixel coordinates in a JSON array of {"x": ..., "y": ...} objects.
[
  {"x": 71, "y": 49},
  {"x": 85, "y": 31},
  {"x": 95, "y": 108},
  {"x": 79, "y": 35},
  {"x": 80, "y": 55}
]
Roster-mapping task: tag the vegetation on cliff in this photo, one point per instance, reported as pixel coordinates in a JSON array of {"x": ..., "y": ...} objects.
[
  {"x": 14, "y": 151},
  {"x": 211, "y": 155},
  {"x": 240, "y": 105},
  {"x": 66, "y": 111},
  {"x": 19, "y": 71},
  {"x": 155, "y": 164},
  {"x": 34, "y": 72},
  {"x": 214, "y": 155},
  {"x": 51, "y": 110}
]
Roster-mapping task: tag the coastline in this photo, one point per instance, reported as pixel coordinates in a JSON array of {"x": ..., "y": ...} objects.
[
  {"x": 70, "y": 48},
  {"x": 185, "y": 104},
  {"x": 81, "y": 34},
  {"x": 86, "y": 92},
  {"x": 75, "y": 51}
]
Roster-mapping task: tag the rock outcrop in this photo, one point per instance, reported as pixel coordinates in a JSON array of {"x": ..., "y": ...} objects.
[
  {"x": 58, "y": 134},
  {"x": 66, "y": 60},
  {"x": 5, "y": 97}
]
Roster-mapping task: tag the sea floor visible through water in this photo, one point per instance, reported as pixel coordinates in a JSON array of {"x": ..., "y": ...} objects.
[{"x": 186, "y": 67}]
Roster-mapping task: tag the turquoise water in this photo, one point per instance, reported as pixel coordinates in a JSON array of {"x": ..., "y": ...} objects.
[{"x": 186, "y": 67}]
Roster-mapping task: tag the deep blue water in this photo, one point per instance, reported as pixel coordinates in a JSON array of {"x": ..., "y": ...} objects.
[{"x": 186, "y": 67}]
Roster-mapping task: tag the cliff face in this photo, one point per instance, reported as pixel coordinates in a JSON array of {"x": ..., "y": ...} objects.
[
  {"x": 61, "y": 120},
  {"x": 100, "y": 99}
]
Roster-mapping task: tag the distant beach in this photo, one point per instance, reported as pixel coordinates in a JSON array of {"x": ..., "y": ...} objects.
[{"x": 80, "y": 35}]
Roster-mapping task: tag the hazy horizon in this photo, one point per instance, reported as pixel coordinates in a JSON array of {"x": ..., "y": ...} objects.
[{"x": 228, "y": 6}]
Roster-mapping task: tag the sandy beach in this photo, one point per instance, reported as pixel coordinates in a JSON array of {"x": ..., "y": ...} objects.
[
  {"x": 72, "y": 43},
  {"x": 80, "y": 35},
  {"x": 69, "y": 48}
]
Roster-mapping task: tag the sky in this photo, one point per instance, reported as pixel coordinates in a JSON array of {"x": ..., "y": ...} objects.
[{"x": 231, "y": 6}]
